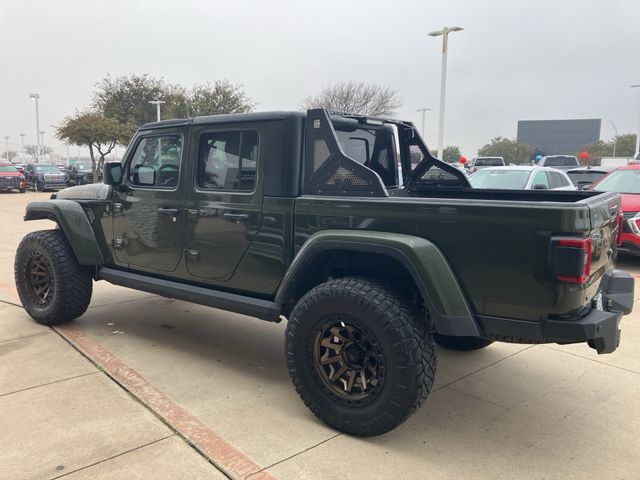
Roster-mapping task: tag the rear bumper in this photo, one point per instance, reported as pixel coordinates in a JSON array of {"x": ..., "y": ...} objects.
[{"x": 599, "y": 328}]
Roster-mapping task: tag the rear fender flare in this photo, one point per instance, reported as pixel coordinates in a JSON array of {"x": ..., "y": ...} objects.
[
  {"x": 447, "y": 304},
  {"x": 73, "y": 221}
]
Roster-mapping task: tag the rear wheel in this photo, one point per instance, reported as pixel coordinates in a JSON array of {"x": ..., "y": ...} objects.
[
  {"x": 462, "y": 344},
  {"x": 22, "y": 190},
  {"x": 359, "y": 356},
  {"x": 52, "y": 286}
]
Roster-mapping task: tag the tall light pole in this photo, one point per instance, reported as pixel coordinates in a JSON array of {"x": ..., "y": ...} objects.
[
  {"x": 443, "y": 80},
  {"x": 6, "y": 141},
  {"x": 157, "y": 103},
  {"x": 638, "y": 134},
  {"x": 36, "y": 97},
  {"x": 22, "y": 145},
  {"x": 615, "y": 139},
  {"x": 423, "y": 110}
]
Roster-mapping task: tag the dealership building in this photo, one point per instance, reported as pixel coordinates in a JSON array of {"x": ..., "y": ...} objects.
[{"x": 558, "y": 137}]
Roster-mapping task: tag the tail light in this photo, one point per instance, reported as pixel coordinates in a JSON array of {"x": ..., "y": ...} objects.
[{"x": 571, "y": 259}]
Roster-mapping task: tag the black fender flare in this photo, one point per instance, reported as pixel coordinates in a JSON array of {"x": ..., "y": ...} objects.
[
  {"x": 72, "y": 219},
  {"x": 448, "y": 307}
]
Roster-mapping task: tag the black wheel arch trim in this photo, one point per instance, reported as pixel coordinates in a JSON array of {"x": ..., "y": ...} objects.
[
  {"x": 72, "y": 219},
  {"x": 450, "y": 316}
]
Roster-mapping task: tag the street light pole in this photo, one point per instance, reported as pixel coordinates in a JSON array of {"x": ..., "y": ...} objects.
[
  {"x": 615, "y": 139},
  {"x": 637, "y": 134},
  {"x": 36, "y": 97},
  {"x": 6, "y": 141},
  {"x": 157, "y": 103},
  {"x": 423, "y": 110},
  {"x": 443, "y": 80}
]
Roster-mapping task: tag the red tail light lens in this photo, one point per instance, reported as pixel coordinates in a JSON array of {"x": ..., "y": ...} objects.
[{"x": 571, "y": 259}]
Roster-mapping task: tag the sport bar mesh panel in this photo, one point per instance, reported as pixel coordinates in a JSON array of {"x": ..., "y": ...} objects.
[
  {"x": 415, "y": 155},
  {"x": 328, "y": 170},
  {"x": 345, "y": 178},
  {"x": 321, "y": 153}
]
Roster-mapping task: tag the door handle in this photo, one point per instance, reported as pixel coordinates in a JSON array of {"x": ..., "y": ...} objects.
[
  {"x": 168, "y": 211},
  {"x": 236, "y": 217}
]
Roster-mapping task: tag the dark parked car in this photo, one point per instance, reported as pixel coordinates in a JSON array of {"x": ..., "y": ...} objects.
[
  {"x": 584, "y": 177},
  {"x": 79, "y": 174},
  {"x": 561, "y": 162},
  {"x": 11, "y": 178},
  {"x": 42, "y": 177},
  {"x": 321, "y": 220}
]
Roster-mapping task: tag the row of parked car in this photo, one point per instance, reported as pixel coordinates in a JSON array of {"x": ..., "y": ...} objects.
[
  {"x": 40, "y": 176},
  {"x": 556, "y": 172}
]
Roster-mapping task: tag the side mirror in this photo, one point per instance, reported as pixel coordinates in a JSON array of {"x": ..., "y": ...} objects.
[
  {"x": 540, "y": 186},
  {"x": 113, "y": 173}
]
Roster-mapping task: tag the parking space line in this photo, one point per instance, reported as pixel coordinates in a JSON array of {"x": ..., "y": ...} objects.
[{"x": 226, "y": 457}]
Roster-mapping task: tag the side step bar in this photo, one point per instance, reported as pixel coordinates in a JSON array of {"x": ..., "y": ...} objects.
[{"x": 254, "y": 307}]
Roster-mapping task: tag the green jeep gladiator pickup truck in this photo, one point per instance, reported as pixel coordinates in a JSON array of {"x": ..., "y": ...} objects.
[{"x": 347, "y": 227}]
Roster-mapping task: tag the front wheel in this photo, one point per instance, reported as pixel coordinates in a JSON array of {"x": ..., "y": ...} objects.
[
  {"x": 359, "y": 356},
  {"x": 52, "y": 286},
  {"x": 36, "y": 188},
  {"x": 462, "y": 344},
  {"x": 22, "y": 190}
]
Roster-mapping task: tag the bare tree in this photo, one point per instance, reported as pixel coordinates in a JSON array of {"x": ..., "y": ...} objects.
[
  {"x": 10, "y": 155},
  {"x": 33, "y": 151},
  {"x": 356, "y": 97}
]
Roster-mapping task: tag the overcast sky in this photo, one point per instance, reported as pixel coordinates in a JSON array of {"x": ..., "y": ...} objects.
[{"x": 515, "y": 60}]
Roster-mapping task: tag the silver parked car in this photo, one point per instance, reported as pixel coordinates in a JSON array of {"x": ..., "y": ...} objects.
[{"x": 524, "y": 177}]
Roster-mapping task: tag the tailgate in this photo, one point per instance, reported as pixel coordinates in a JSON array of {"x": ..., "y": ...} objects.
[{"x": 604, "y": 212}]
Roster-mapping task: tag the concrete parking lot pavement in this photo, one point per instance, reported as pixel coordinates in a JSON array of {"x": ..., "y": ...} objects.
[{"x": 543, "y": 411}]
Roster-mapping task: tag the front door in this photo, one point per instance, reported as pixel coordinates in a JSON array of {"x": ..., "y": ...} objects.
[
  {"x": 148, "y": 217},
  {"x": 224, "y": 214}
]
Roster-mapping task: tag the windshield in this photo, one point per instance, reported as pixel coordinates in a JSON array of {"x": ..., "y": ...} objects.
[
  {"x": 505, "y": 179},
  {"x": 8, "y": 168},
  {"x": 620, "y": 181},
  {"x": 560, "y": 161},
  {"x": 46, "y": 169},
  {"x": 488, "y": 162},
  {"x": 83, "y": 166}
]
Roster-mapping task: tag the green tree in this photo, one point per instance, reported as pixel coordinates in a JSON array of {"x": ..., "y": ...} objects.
[
  {"x": 597, "y": 149},
  {"x": 356, "y": 97},
  {"x": 625, "y": 144},
  {"x": 451, "y": 154},
  {"x": 101, "y": 134},
  {"x": 9, "y": 155},
  {"x": 127, "y": 99},
  {"x": 33, "y": 151},
  {"x": 511, "y": 150}
]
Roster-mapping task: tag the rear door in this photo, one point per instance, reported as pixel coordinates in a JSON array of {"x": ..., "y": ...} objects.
[{"x": 224, "y": 207}]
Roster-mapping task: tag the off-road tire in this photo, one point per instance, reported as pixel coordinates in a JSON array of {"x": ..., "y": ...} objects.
[
  {"x": 71, "y": 285},
  {"x": 22, "y": 190},
  {"x": 402, "y": 336},
  {"x": 461, "y": 344}
]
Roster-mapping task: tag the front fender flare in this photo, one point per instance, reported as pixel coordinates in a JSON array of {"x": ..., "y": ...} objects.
[
  {"x": 73, "y": 221},
  {"x": 447, "y": 304}
]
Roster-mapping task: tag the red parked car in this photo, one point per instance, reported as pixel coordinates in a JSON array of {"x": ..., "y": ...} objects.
[
  {"x": 626, "y": 181},
  {"x": 11, "y": 178}
]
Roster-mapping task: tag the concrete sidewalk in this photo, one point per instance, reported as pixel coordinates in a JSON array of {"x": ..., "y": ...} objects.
[{"x": 62, "y": 417}]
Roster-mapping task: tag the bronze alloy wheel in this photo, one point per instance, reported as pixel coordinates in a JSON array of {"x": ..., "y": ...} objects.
[
  {"x": 40, "y": 279},
  {"x": 349, "y": 361}
]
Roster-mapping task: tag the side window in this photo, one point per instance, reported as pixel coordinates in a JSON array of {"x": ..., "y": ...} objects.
[
  {"x": 156, "y": 162},
  {"x": 555, "y": 180},
  {"x": 540, "y": 179},
  {"x": 228, "y": 160}
]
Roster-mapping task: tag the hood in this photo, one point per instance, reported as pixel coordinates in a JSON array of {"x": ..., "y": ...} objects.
[
  {"x": 630, "y": 202},
  {"x": 11, "y": 174},
  {"x": 93, "y": 191}
]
